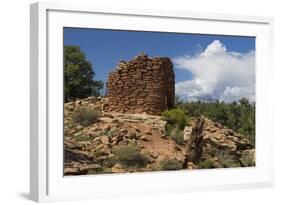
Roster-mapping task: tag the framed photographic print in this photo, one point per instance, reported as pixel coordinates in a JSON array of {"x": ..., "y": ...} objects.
[{"x": 127, "y": 102}]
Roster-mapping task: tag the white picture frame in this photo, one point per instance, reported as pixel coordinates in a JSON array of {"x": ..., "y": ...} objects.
[{"x": 47, "y": 182}]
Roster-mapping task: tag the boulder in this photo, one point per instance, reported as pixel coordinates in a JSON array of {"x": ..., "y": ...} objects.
[
  {"x": 191, "y": 166},
  {"x": 72, "y": 144},
  {"x": 144, "y": 138},
  {"x": 187, "y": 133},
  {"x": 105, "y": 127},
  {"x": 117, "y": 168},
  {"x": 94, "y": 167},
  {"x": 97, "y": 139},
  {"x": 81, "y": 170},
  {"x": 104, "y": 140},
  {"x": 131, "y": 134}
]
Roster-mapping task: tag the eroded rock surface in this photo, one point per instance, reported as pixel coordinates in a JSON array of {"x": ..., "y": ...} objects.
[
  {"x": 91, "y": 149},
  {"x": 212, "y": 141}
]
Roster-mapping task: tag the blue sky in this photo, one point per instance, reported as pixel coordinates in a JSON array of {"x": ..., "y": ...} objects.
[{"x": 105, "y": 48}]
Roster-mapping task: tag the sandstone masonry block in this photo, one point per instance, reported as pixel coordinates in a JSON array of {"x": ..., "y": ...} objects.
[{"x": 142, "y": 84}]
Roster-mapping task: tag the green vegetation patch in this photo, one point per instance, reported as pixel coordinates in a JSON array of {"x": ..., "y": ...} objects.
[
  {"x": 85, "y": 116},
  {"x": 130, "y": 156},
  {"x": 175, "y": 117},
  {"x": 229, "y": 163},
  {"x": 206, "y": 164},
  {"x": 79, "y": 75},
  {"x": 238, "y": 116},
  {"x": 247, "y": 160},
  {"x": 175, "y": 133},
  {"x": 176, "y": 121},
  {"x": 170, "y": 164}
]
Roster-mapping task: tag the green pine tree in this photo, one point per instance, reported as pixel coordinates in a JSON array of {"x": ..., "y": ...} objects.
[{"x": 78, "y": 75}]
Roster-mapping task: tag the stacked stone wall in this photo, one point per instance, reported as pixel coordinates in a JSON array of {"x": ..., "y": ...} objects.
[{"x": 140, "y": 85}]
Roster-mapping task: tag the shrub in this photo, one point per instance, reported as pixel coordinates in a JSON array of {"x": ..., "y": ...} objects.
[
  {"x": 85, "y": 116},
  {"x": 176, "y": 134},
  {"x": 170, "y": 164},
  {"x": 227, "y": 161},
  {"x": 175, "y": 117},
  {"x": 130, "y": 156},
  {"x": 206, "y": 164},
  {"x": 247, "y": 159},
  {"x": 81, "y": 137},
  {"x": 176, "y": 121}
]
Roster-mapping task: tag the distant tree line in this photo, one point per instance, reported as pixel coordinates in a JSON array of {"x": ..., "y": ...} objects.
[
  {"x": 79, "y": 75},
  {"x": 239, "y": 116}
]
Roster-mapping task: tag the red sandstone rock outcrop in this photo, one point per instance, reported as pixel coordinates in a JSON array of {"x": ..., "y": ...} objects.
[
  {"x": 209, "y": 140},
  {"x": 140, "y": 85},
  {"x": 90, "y": 149}
]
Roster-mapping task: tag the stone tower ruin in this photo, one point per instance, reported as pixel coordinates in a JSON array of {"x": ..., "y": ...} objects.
[{"x": 142, "y": 84}]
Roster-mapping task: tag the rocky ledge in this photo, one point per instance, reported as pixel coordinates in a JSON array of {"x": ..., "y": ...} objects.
[{"x": 95, "y": 148}]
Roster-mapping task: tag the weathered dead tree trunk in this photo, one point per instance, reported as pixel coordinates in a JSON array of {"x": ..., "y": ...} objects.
[{"x": 194, "y": 147}]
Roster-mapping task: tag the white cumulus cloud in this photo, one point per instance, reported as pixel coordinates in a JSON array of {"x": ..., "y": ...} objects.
[{"x": 217, "y": 74}]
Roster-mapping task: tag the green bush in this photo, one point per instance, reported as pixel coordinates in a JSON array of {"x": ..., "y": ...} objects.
[
  {"x": 170, "y": 164},
  {"x": 206, "y": 164},
  {"x": 175, "y": 117},
  {"x": 227, "y": 161},
  {"x": 176, "y": 134},
  {"x": 130, "y": 156},
  {"x": 85, "y": 116},
  {"x": 230, "y": 163},
  {"x": 247, "y": 159},
  {"x": 176, "y": 121}
]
